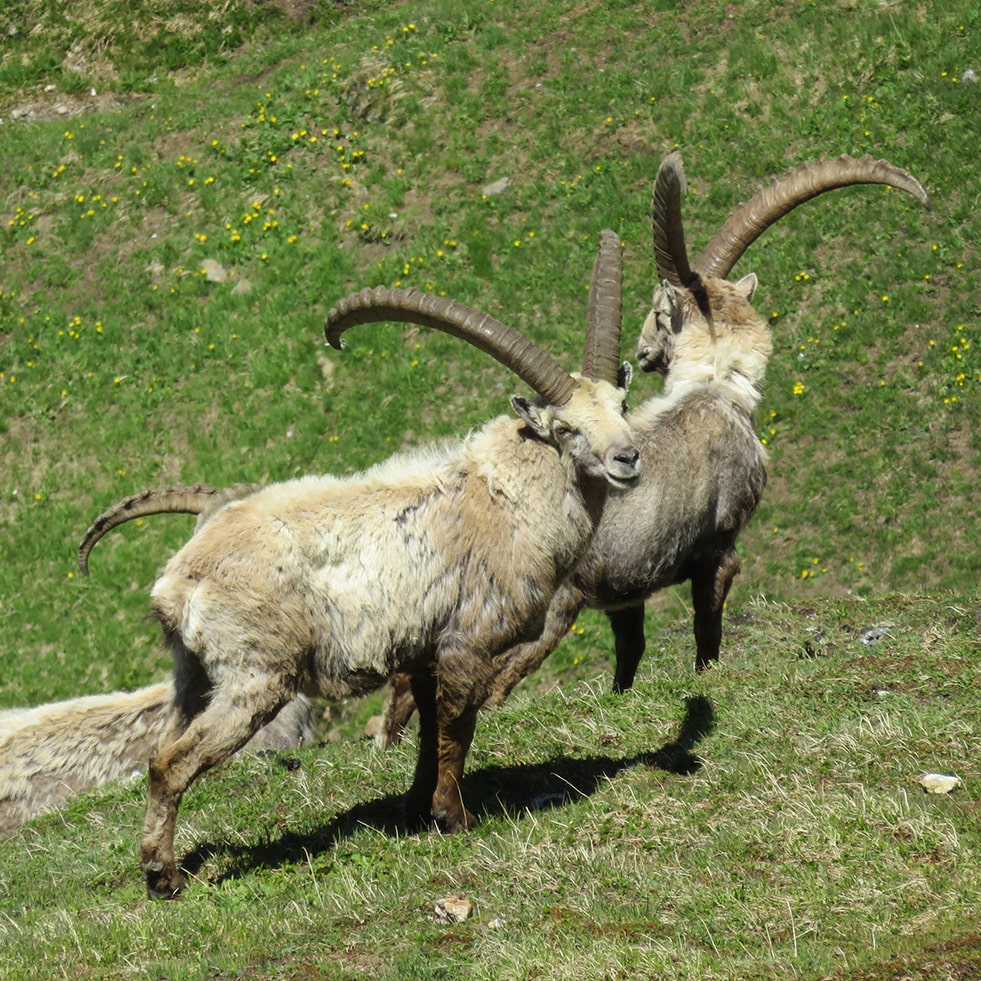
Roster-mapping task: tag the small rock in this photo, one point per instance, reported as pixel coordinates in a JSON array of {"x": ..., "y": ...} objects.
[
  {"x": 497, "y": 187},
  {"x": 939, "y": 783},
  {"x": 874, "y": 634},
  {"x": 214, "y": 271},
  {"x": 453, "y": 909}
]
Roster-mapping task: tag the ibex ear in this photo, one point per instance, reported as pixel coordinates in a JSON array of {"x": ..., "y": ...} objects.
[
  {"x": 624, "y": 375},
  {"x": 673, "y": 304},
  {"x": 747, "y": 286},
  {"x": 670, "y": 294},
  {"x": 531, "y": 415}
]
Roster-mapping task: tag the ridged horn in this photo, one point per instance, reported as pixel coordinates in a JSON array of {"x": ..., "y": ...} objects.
[
  {"x": 604, "y": 311},
  {"x": 771, "y": 203},
  {"x": 537, "y": 368},
  {"x": 670, "y": 251},
  {"x": 161, "y": 500}
]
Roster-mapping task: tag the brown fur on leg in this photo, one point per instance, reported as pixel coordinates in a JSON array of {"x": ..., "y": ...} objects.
[
  {"x": 398, "y": 711},
  {"x": 455, "y": 734},
  {"x": 419, "y": 798}
]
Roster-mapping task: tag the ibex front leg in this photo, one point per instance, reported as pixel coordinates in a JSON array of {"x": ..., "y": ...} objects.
[
  {"x": 628, "y": 638},
  {"x": 510, "y": 667},
  {"x": 419, "y": 799},
  {"x": 516, "y": 663},
  {"x": 447, "y": 701},
  {"x": 398, "y": 710},
  {"x": 456, "y": 726}
]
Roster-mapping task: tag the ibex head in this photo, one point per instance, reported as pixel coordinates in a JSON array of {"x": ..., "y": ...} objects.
[
  {"x": 581, "y": 415},
  {"x": 678, "y": 322},
  {"x": 695, "y": 304}
]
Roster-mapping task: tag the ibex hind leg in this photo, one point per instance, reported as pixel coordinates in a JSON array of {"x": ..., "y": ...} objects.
[
  {"x": 399, "y": 709},
  {"x": 709, "y": 589},
  {"x": 192, "y": 691},
  {"x": 223, "y": 727}
]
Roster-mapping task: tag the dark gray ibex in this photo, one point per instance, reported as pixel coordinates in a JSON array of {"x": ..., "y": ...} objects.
[
  {"x": 683, "y": 518},
  {"x": 329, "y": 586}
]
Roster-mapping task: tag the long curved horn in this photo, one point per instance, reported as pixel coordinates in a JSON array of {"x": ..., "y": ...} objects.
[
  {"x": 745, "y": 225},
  {"x": 537, "y": 368},
  {"x": 670, "y": 251},
  {"x": 604, "y": 311},
  {"x": 172, "y": 500}
]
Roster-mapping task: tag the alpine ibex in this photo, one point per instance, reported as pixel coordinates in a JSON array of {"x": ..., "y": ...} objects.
[
  {"x": 434, "y": 563},
  {"x": 50, "y": 752},
  {"x": 681, "y": 521},
  {"x": 683, "y": 518}
]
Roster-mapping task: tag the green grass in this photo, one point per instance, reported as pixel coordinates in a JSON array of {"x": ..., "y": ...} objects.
[
  {"x": 761, "y": 821},
  {"x": 315, "y": 148}
]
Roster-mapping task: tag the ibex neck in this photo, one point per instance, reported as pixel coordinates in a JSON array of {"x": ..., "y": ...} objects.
[{"x": 740, "y": 375}]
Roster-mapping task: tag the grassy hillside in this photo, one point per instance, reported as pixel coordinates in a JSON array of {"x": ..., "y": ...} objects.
[
  {"x": 184, "y": 196},
  {"x": 354, "y": 150},
  {"x": 762, "y": 821}
]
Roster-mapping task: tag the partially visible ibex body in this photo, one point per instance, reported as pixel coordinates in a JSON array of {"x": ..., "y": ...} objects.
[
  {"x": 50, "y": 752},
  {"x": 434, "y": 563}
]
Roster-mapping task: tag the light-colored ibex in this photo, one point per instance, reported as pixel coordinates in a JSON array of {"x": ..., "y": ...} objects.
[
  {"x": 682, "y": 520},
  {"x": 435, "y": 563},
  {"x": 50, "y": 752}
]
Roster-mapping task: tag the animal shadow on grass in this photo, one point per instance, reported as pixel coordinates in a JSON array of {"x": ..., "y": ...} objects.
[{"x": 490, "y": 792}]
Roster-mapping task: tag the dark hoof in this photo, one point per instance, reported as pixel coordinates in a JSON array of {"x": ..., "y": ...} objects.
[
  {"x": 452, "y": 824},
  {"x": 161, "y": 884},
  {"x": 420, "y": 818}
]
